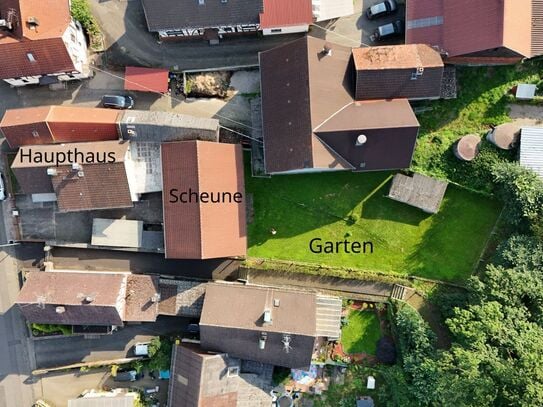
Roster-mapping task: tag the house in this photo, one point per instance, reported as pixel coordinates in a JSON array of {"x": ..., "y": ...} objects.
[
  {"x": 531, "y": 149},
  {"x": 412, "y": 72},
  {"x": 213, "y": 19},
  {"x": 200, "y": 378},
  {"x": 96, "y": 299},
  {"x": 204, "y": 200},
  {"x": 267, "y": 325},
  {"x": 142, "y": 79},
  {"x": 78, "y": 176},
  {"x": 285, "y": 16},
  {"x": 40, "y": 43},
  {"x": 482, "y": 33},
  {"x": 311, "y": 121},
  {"x": 178, "y": 19},
  {"x": 58, "y": 124}
]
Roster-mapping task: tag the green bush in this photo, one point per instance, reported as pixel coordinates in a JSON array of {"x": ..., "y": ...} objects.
[
  {"x": 81, "y": 12},
  {"x": 160, "y": 354},
  {"x": 51, "y": 329}
]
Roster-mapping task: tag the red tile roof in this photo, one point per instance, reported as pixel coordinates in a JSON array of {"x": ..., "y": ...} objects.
[
  {"x": 58, "y": 124},
  {"x": 203, "y": 230},
  {"x": 284, "y": 13},
  {"x": 146, "y": 79},
  {"x": 462, "y": 27},
  {"x": 44, "y": 42}
]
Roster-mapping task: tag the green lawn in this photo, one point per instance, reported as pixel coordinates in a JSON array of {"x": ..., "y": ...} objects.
[
  {"x": 406, "y": 240},
  {"x": 362, "y": 332}
]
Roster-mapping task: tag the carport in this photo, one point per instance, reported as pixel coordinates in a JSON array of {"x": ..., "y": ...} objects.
[{"x": 146, "y": 79}]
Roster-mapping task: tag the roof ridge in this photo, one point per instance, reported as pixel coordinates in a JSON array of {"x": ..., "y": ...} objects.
[{"x": 198, "y": 178}]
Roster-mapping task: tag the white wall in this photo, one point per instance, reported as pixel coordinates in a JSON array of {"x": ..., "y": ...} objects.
[{"x": 286, "y": 30}]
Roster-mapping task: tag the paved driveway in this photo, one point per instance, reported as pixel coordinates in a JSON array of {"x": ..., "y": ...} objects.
[
  {"x": 129, "y": 42},
  {"x": 74, "y": 349}
]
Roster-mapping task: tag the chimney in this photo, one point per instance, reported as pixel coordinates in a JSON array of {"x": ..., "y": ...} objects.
[
  {"x": 76, "y": 166},
  {"x": 267, "y": 316},
  {"x": 326, "y": 51},
  {"x": 52, "y": 172},
  {"x": 60, "y": 309},
  {"x": 87, "y": 299},
  {"x": 155, "y": 297}
]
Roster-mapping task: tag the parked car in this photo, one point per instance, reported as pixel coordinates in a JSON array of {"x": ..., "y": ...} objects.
[
  {"x": 381, "y": 9},
  {"x": 2, "y": 189},
  {"x": 151, "y": 390},
  {"x": 141, "y": 349},
  {"x": 117, "y": 102},
  {"x": 127, "y": 376},
  {"x": 388, "y": 30}
]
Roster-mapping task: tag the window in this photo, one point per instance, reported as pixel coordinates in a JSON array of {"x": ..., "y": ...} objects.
[{"x": 30, "y": 57}]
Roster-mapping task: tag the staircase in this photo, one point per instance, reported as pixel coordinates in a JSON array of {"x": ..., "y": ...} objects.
[{"x": 398, "y": 292}]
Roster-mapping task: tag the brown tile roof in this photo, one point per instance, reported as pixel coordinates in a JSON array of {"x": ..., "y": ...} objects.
[
  {"x": 461, "y": 27},
  {"x": 45, "y": 42},
  {"x": 118, "y": 149},
  {"x": 398, "y": 71},
  {"x": 103, "y": 186},
  {"x": 304, "y": 92},
  {"x": 390, "y": 128},
  {"x": 58, "y": 124},
  {"x": 26, "y": 126},
  {"x": 201, "y": 379},
  {"x": 203, "y": 230},
  {"x": 146, "y": 79},
  {"x": 396, "y": 57},
  {"x": 232, "y": 322},
  {"x": 141, "y": 298},
  {"x": 70, "y": 290}
]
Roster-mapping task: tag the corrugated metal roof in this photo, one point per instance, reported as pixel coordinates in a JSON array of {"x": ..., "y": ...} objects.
[
  {"x": 537, "y": 27},
  {"x": 531, "y": 149}
]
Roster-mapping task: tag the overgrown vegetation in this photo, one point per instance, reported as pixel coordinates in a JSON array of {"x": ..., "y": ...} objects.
[
  {"x": 482, "y": 102},
  {"x": 81, "y": 12},
  {"x": 160, "y": 353},
  {"x": 50, "y": 329}
]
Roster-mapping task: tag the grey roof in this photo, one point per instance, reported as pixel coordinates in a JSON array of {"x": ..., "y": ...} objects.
[
  {"x": 119, "y": 401},
  {"x": 156, "y": 126},
  {"x": 531, "y": 149},
  {"x": 201, "y": 379},
  {"x": 181, "y": 297},
  {"x": 175, "y": 14},
  {"x": 232, "y": 321},
  {"x": 419, "y": 191},
  {"x": 329, "y": 316}
]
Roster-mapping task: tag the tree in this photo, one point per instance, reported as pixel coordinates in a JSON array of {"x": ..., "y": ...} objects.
[
  {"x": 521, "y": 251},
  {"x": 160, "y": 354},
  {"x": 522, "y": 192}
]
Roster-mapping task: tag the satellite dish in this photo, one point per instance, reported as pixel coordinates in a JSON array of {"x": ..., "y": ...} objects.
[{"x": 361, "y": 140}]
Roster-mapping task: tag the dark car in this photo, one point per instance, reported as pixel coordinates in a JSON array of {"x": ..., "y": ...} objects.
[
  {"x": 388, "y": 30},
  {"x": 117, "y": 102},
  {"x": 127, "y": 376},
  {"x": 381, "y": 9}
]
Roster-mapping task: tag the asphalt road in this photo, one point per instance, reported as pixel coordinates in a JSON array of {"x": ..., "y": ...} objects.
[
  {"x": 67, "y": 350},
  {"x": 16, "y": 388},
  {"x": 128, "y": 42}
]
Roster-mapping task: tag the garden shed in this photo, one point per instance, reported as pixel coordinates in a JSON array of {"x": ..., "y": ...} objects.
[{"x": 419, "y": 191}]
